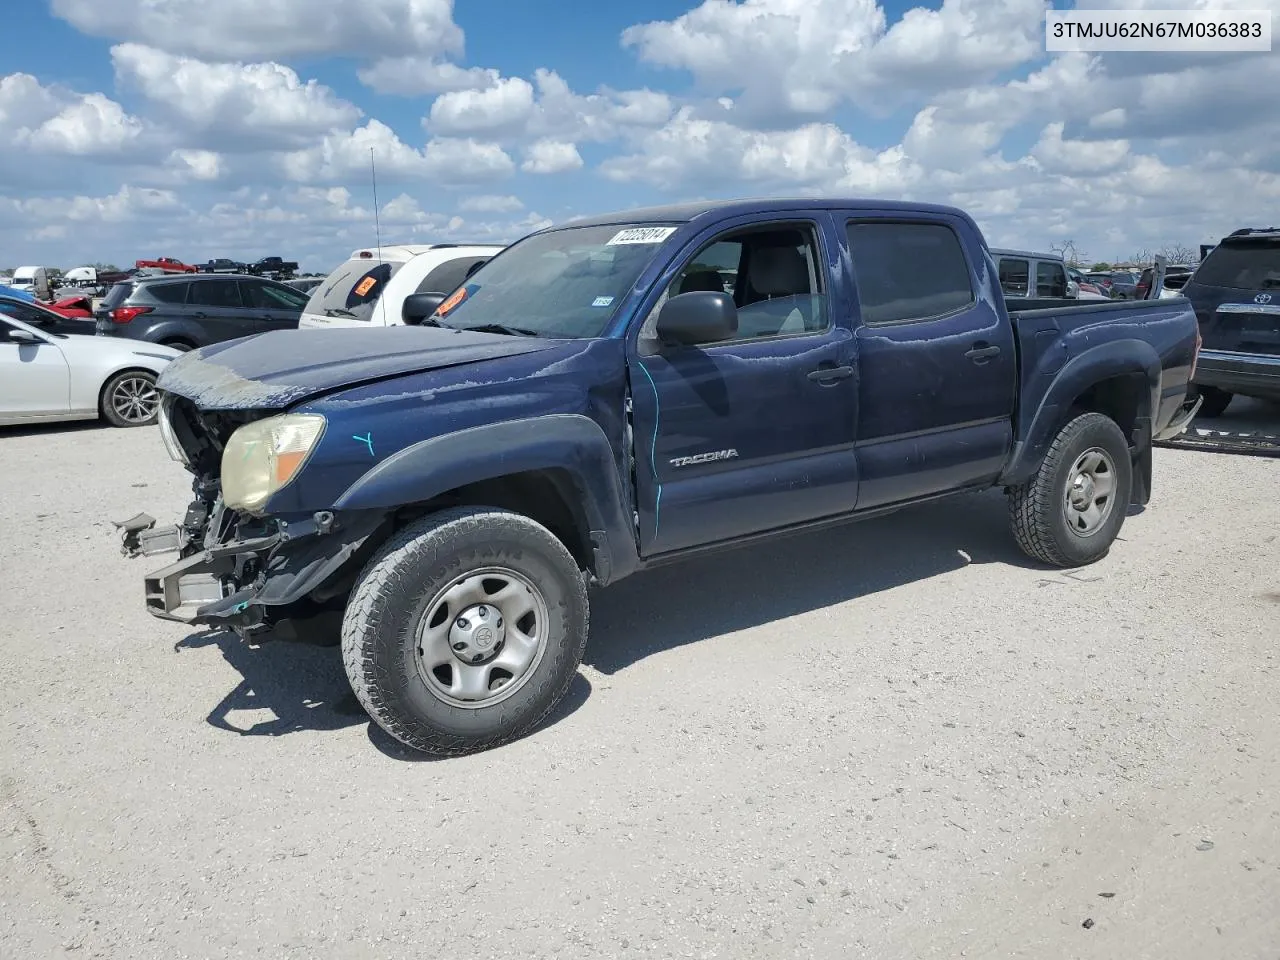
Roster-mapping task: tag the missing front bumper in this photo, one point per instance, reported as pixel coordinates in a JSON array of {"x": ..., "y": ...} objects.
[{"x": 234, "y": 584}]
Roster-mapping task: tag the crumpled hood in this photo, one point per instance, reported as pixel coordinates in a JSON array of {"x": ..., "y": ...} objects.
[{"x": 276, "y": 370}]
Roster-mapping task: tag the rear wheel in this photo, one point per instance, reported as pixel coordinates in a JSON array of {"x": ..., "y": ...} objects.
[
  {"x": 465, "y": 630},
  {"x": 182, "y": 345},
  {"x": 1071, "y": 511},
  {"x": 1215, "y": 401},
  {"x": 130, "y": 399}
]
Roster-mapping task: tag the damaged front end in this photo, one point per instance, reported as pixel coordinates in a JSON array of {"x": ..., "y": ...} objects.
[{"x": 235, "y": 570}]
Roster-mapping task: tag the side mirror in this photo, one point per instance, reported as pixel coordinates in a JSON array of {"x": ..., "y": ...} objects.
[
  {"x": 418, "y": 306},
  {"x": 702, "y": 316},
  {"x": 18, "y": 335},
  {"x": 1073, "y": 289}
]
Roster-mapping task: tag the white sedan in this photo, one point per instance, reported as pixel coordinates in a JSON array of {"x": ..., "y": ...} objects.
[{"x": 51, "y": 376}]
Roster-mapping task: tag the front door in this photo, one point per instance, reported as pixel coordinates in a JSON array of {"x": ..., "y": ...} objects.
[
  {"x": 275, "y": 306},
  {"x": 34, "y": 378},
  {"x": 936, "y": 359},
  {"x": 737, "y": 437}
]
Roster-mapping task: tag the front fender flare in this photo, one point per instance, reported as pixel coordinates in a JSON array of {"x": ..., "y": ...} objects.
[
  {"x": 570, "y": 442},
  {"x": 1115, "y": 359}
]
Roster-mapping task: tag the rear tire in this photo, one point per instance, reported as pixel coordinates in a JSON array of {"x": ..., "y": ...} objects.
[
  {"x": 1060, "y": 516},
  {"x": 130, "y": 399},
  {"x": 465, "y": 630},
  {"x": 181, "y": 345},
  {"x": 1215, "y": 401}
]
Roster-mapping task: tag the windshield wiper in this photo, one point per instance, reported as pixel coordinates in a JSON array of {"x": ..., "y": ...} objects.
[
  {"x": 502, "y": 328},
  {"x": 339, "y": 312}
]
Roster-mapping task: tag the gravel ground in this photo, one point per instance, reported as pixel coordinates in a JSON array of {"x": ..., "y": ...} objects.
[{"x": 897, "y": 739}]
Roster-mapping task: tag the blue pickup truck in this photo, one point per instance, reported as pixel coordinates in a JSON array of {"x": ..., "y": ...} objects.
[{"x": 626, "y": 391}]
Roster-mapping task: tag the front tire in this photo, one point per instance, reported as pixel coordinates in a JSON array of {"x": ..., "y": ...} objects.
[
  {"x": 130, "y": 399},
  {"x": 465, "y": 630},
  {"x": 1070, "y": 512}
]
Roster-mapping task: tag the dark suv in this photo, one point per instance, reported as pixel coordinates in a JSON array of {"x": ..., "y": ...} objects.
[
  {"x": 1236, "y": 295},
  {"x": 193, "y": 310}
]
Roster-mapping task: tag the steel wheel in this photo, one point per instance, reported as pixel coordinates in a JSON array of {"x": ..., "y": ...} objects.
[
  {"x": 135, "y": 400},
  {"x": 1089, "y": 497},
  {"x": 481, "y": 637}
]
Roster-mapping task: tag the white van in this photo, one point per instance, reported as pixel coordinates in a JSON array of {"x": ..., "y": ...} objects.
[
  {"x": 32, "y": 280},
  {"x": 371, "y": 286}
]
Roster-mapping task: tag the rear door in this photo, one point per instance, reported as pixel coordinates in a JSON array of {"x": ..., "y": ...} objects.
[
  {"x": 1236, "y": 295},
  {"x": 217, "y": 306},
  {"x": 754, "y": 433},
  {"x": 936, "y": 362},
  {"x": 275, "y": 306}
]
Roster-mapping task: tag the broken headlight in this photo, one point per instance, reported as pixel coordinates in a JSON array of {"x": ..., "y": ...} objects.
[
  {"x": 171, "y": 443},
  {"x": 263, "y": 456}
]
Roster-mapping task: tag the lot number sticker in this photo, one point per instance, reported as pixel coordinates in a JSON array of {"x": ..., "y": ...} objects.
[{"x": 641, "y": 235}]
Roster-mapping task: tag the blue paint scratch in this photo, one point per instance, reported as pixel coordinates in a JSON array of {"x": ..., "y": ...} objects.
[
  {"x": 367, "y": 440},
  {"x": 653, "y": 449}
]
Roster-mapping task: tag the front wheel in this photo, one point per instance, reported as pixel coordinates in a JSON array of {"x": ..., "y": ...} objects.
[
  {"x": 1070, "y": 512},
  {"x": 465, "y": 630},
  {"x": 130, "y": 399}
]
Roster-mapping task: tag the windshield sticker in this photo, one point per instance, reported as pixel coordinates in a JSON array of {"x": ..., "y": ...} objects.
[
  {"x": 602, "y": 302},
  {"x": 456, "y": 298},
  {"x": 641, "y": 235},
  {"x": 365, "y": 285}
]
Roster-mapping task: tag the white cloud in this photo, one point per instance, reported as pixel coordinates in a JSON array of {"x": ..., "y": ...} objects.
[
  {"x": 125, "y": 205},
  {"x": 197, "y": 164},
  {"x": 253, "y": 29},
  {"x": 56, "y": 121},
  {"x": 341, "y": 155},
  {"x": 253, "y": 103},
  {"x": 502, "y": 108},
  {"x": 512, "y": 109},
  {"x": 490, "y": 203},
  {"x": 801, "y": 58},
  {"x": 421, "y": 76},
  {"x": 697, "y": 152},
  {"x": 551, "y": 156},
  {"x": 1078, "y": 157}
]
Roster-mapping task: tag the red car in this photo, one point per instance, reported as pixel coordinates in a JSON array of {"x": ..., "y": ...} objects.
[
  {"x": 72, "y": 307},
  {"x": 167, "y": 264}
]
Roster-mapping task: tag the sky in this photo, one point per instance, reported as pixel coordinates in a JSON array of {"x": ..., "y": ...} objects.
[{"x": 244, "y": 128}]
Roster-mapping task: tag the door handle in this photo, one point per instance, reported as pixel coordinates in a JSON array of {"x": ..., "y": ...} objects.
[
  {"x": 831, "y": 374},
  {"x": 199, "y": 316},
  {"x": 982, "y": 353}
]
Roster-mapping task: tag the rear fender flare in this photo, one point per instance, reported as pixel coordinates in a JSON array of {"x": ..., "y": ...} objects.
[
  {"x": 178, "y": 330},
  {"x": 569, "y": 442},
  {"x": 1083, "y": 371}
]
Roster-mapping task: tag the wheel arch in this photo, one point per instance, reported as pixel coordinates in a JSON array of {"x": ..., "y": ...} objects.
[
  {"x": 1121, "y": 380},
  {"x": 559, "y": 470}
]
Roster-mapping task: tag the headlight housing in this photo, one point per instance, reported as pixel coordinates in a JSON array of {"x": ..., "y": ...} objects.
[
  {"x": 263, "y": 456},
  {"x": 171, "y": 443}
]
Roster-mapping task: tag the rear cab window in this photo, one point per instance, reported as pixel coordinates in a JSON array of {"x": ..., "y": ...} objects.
[
  {"x": 908, "y": 271},
  {"x": 1051, "y": 280},
  {"x": 352, "y": 291},
  {"x": 1015, "y": 276}
]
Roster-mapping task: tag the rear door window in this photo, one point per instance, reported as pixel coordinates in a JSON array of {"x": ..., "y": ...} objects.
[
  {"x": 1242, "y": 265},
  {"x": 908, "y": 271},
  {"x": 449, "y": 275},
  {"x": 353, "y": 289},
  {"x": 168, "y": 292},
  {"x": 266, "y": 296},
  {"x": 1051, "y": 280},
  {"x": 216, "y": 293},
  {"x": 1015, "y": 276}
]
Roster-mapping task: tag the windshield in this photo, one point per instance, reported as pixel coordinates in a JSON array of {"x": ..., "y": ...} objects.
[
  {"x": 1242, "y": 265},
  {"x": 353, "y": 289},
  {"x": 562, "y": 283}
]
